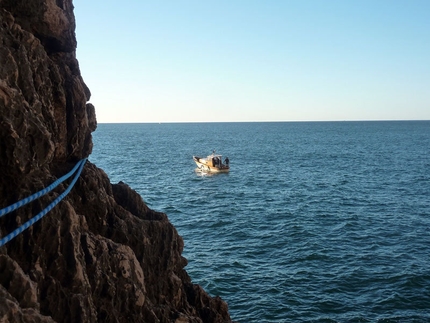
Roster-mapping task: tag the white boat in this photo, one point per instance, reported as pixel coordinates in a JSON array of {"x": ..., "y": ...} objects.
[{"x": 212, "y": 163}]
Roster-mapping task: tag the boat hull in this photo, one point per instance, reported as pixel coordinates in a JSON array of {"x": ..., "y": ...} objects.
[{"x": 204, "y": 166}]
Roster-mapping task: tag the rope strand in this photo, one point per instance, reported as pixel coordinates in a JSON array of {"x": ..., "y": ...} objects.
[
  {"x": 35, "y": 196},
  {"x": 33, "y": 220}
]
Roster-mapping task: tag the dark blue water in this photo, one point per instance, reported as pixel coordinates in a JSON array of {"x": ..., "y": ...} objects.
[{"x": 316, "y": 222}]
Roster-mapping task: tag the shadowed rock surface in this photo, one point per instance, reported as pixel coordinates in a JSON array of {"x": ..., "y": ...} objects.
[{"x": 101, "y": 255}]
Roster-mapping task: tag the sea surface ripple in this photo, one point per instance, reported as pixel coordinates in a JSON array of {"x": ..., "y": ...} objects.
[{"x": 316, "y": 222}]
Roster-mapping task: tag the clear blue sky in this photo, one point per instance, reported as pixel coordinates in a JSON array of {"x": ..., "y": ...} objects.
[{"x": 249, "y": 60}]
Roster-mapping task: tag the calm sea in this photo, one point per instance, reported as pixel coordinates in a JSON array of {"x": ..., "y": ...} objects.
[{"x": 316, "y": 222}]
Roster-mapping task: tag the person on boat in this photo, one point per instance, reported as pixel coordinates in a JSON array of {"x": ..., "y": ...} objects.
[{"x": 226, "y": 161}]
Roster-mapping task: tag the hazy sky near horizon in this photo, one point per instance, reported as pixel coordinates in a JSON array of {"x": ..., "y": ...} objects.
[{"x": 255, "y": 60}]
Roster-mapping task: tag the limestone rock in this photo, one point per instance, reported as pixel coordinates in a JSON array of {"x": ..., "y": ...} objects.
[{"x": 101, "y": 255}]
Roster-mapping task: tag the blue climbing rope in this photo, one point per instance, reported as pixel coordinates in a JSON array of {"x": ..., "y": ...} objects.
[
  {"x": 79, "y": 166},
  {"x": 35, "y": 196}
]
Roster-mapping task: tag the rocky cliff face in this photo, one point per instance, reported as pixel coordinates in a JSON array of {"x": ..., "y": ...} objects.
[{"x": 101, "y": 255}]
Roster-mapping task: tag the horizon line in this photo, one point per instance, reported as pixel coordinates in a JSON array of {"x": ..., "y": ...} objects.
[{"x": 291, "y": 121}]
